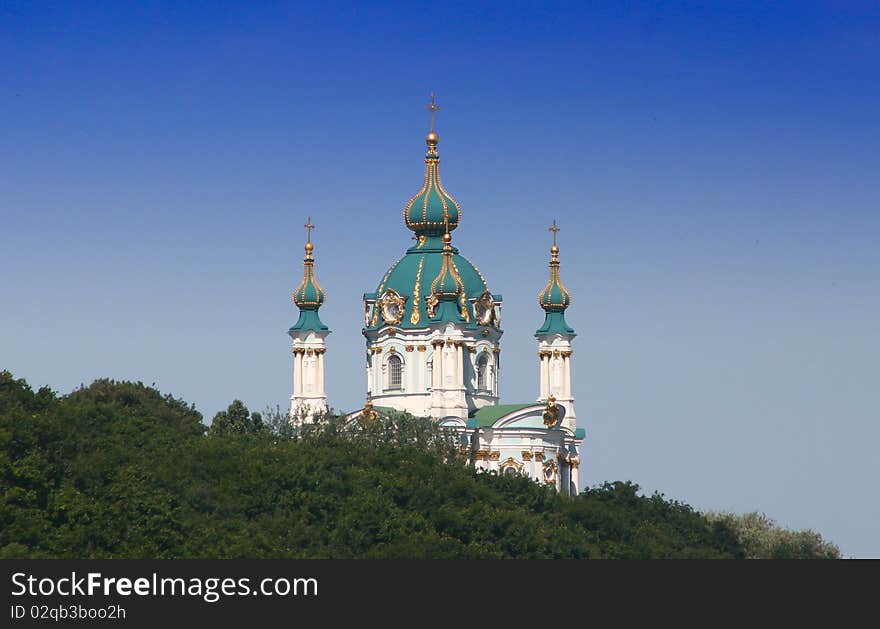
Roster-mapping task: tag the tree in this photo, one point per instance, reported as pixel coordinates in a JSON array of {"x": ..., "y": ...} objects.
[
  {"x": 762, "y": 538},
  {"x": 237, "y": 420}
]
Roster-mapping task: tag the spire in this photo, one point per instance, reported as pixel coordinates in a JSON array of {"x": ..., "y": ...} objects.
[
  {"x": 309, "y": 296},
  {"x": 554, "y": 298},
  {"x": 432, "y": 210},
  {"x": 447, "y": 289}
]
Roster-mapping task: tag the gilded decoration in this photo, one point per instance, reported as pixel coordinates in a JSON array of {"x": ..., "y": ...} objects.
[
  {"x": 415, "y": 316},
  {"x": 484, "y": 308},
  {"x": 431, "y": 302},
  {"x": 526, "y": 455},
  {"x": 376, "y": 308},
  {"x": 494, "y": 455},
  {"x": 511, "y": 463},
  {"x": 550, "y": 471},
  {"x": 369, "y": 416},
  {"x": 391, "y": 305},
  {"x": 551, "y": 413}
]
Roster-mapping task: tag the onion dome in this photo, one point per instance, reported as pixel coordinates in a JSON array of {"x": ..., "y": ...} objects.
[
  {"x": 409, "y": 293},
  {"x": 432, "y": 211},
  {"x": 554, "y": 298},
  {"x": 308, "y": 296}
]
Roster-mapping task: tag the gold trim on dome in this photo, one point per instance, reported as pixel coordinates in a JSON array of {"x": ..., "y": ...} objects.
[
  {"x": 555, "y": 278},
  {"x": 415, "y": 317},
  {"x": 432, "y": 184}
]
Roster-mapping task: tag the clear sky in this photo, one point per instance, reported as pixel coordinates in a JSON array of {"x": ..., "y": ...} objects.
[{"x": 715, "y": 169}]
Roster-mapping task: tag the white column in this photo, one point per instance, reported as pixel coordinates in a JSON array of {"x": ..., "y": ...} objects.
[
  {"x": 541, "y": 385},
  {"x": 566, "y": 377},
  {"x": 297, "y": 373},
  {"x": 436, "y": 367},
  {"x": 320, "y": 378},
  {"x": 574, "y": 475},
  {"x": 459, "y": 359},
  {"x": 377, "y": 373}
]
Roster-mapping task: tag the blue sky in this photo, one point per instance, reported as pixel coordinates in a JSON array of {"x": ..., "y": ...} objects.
[{"x": 713, "y": 166}]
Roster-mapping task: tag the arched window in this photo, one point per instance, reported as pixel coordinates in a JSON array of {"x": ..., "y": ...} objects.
[
  {"x": 483, "y": 373},
  {"x": 395, "y": 369}
]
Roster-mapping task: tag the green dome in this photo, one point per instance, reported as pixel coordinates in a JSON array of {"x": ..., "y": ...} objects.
[
  {"x": 554, "y": 299},
  {"x": 411, "y": 278},
  {"x": 428, "y": 212},
  {"x": 308, "y": 296}
]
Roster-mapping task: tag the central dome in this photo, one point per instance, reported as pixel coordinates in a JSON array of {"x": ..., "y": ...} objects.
[{"x": 410, "y": 278}]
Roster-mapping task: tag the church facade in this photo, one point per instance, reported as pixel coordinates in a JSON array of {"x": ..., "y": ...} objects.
[{"x": 433, "y": 331}]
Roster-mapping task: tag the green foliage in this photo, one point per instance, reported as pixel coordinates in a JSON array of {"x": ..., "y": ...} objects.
[
  {"x": 237, "y": 420},
  {"x": 762, "y": 538},
  {"x": 116, "y": 469}
]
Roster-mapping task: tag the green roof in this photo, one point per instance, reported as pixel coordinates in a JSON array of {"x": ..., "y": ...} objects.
[
  {"x": 488, "y": 415},
  {"x": 423, "y": 262},
  {"x": 308, "y": 320},
  {"x": 554, "y": 323}
]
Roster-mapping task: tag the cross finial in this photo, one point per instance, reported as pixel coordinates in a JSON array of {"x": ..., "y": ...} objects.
[
  {"x": 309, "y": 227},
  {"x": 554, "y": 228},
  {"x": 433, "y": 107}
]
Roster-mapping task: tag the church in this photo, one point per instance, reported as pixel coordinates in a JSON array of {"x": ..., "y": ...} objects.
[{"x": 433, "y": 347}]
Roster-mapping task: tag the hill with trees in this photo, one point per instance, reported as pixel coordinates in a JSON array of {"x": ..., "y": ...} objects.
[{"x": 118, "y": 470}]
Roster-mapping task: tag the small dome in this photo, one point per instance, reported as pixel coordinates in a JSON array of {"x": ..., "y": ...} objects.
[
  {"x": 309, "y": 295},
  {"x": 554, "y": 296},
  {"x": 432, "y": 208}
]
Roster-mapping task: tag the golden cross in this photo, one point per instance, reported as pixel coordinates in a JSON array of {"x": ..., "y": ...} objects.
[
  {"x": 433, "y": 107},
  {"x": 554, "y": 229},
  {"x": 309, "y": 227}
]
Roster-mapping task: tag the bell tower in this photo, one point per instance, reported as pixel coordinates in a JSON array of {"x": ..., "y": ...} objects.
[
  {"x": 554, "y": 340},
  {"x": 308, "y": 334}
]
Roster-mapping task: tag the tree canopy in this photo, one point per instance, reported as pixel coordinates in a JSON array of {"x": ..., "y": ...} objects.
[{"x": 119, "y": 470}]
